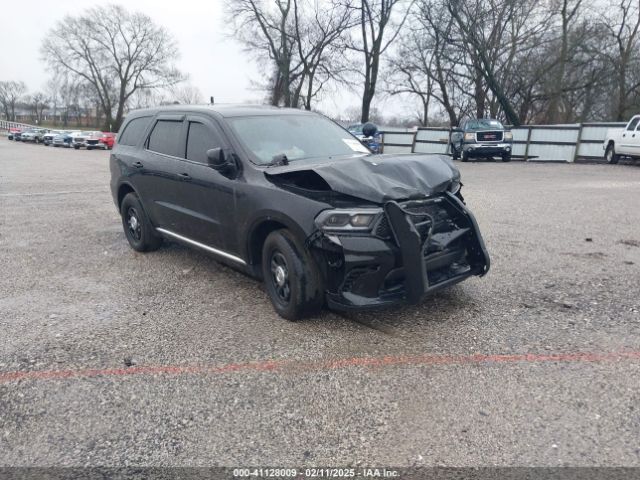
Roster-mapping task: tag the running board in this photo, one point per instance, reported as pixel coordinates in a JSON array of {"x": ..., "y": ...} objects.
[{"x": 202, "y": 246}]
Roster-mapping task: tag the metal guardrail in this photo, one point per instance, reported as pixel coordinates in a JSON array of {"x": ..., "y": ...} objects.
[
  {"x": 5, "y": 125},
  {"x": 547, "y": 143}
]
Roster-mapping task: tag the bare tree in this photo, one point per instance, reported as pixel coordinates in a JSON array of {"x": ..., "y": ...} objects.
[
  {"x": 10, "y": 94},
  {"x": 116, "y": 52},
  {"x": 37, "y": 103},
  {"x": 623, "y": 26},
  {"x": 300, "y": 40},
  {"x": 377, "y": 31},
  {"x": 186, "y": 94}
]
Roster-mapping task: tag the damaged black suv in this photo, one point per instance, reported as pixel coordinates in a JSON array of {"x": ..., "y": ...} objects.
[{"x": 294, "y": 199}]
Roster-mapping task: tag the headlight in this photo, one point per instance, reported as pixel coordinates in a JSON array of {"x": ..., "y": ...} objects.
[
  {"x": 469, "y": 137},
  {"x": 455, "y": 186},
  {"x": 508, "y": 136},
  {"x": 360, "y": 220}
]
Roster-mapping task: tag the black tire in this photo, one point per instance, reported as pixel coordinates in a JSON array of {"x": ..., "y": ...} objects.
[
  {"x": 465, "y": 156},
  {"x": 76, "y": 147},
  {"x": 506, "y": 157},
  {"x": 610, "y": 155},
  {"x": 89, "y": 148},
  {"x": 139, "y": 232},
  {"x": 291, "y": 277}
]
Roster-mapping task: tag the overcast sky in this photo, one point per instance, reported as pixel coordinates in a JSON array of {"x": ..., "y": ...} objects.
[{"x": 216, "y": 64}]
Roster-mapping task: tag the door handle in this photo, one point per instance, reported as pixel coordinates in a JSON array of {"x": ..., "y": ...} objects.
[
  {"x": 138, "y": 165},
  {"x": 184, "y": 176}
]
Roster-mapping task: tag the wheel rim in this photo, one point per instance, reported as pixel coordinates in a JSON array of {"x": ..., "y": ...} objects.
[
  {"x": 134, "y": 225},
  {"x": 280, "y": 277}
]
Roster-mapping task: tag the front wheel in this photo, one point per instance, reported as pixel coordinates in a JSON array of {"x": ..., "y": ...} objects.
[
  {"x": 465, "y": 156},
  {"x": 137, "y": 227},
  {"x": 291, "y": 277},
  {"x": 506, "y": 157},
  {"x": 610, "y": 155}
]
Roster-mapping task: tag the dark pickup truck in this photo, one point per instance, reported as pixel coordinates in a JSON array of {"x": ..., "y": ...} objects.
[
  {"x": 483, "y": 138},
  {"x": 294, "y": 199}
]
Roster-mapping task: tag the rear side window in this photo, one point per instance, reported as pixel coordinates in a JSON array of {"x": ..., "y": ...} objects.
[
  {"x": 200, "y": 139},
  {"x": 166, "y": 138},
  {"x": 133, "y": 131}
]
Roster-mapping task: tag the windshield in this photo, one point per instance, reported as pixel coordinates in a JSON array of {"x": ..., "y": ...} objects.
[
  {"x": 296, "y": 136},
  {"x": 483, "y": 123}
]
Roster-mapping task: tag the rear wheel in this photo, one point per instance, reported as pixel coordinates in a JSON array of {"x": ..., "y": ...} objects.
[
  {"x": 506, "y": 157},
  {"x": 137, "y": 227},
  {"x": 291, "y": 277},
  {"x": 610, "y": 155}
]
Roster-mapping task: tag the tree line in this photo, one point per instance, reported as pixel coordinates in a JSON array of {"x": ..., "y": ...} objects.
[
  {"x": 522, "y": 61},
  {"x": 106, "y": 61}
]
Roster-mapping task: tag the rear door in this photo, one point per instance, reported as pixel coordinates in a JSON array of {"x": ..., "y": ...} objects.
[{"x": 164, "y": 174}]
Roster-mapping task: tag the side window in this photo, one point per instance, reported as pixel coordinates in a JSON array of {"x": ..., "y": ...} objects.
[
  {"x": 634, "y": 123},
  {"x": 133, "y": 131},
  {"x": 166, "y": 138},
  {"x": 200, "y": 139}
]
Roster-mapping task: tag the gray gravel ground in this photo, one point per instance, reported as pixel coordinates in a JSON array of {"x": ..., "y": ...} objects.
[{"x": 74, "y": 296}]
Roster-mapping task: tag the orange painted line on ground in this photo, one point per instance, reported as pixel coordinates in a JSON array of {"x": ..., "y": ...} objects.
[{"x": 295, "y": 366}]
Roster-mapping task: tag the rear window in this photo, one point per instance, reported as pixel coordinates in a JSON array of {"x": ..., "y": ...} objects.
[
  {"x": 166, "y": 138},
  {"x": 133, "y": 131}
]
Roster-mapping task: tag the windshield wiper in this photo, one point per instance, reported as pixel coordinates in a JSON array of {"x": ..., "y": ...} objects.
[{"x": 278, "y": 160}]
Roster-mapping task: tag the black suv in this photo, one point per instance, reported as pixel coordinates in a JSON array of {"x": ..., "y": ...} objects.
[
  {"x": 292, "y": 198},
  {"x": 482, "y": 138}
]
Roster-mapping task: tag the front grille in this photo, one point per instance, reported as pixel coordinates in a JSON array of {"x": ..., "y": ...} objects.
[
  {"x": 383, "y": 229},
  {"x": 92, "y": 142},
  {"x": 489, "y": 136}
]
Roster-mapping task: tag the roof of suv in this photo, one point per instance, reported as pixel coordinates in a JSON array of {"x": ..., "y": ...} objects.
[{"x": 224, "y": 110}]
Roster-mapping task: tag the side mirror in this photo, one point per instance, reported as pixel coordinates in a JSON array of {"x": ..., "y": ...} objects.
[
  {"x": 219, "y": 161},
  {"x": 369, "y": 130}
]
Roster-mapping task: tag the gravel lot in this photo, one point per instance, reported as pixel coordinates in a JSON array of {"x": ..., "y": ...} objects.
[{"x": 170, "y": 358}]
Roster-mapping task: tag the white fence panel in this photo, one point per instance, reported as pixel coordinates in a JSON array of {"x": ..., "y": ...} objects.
[
  {"x": 520, "y": 136},
  {"x": 553, "y": 143},
  {"x": 397, "y": 142},
  {"x": 432, "y": 140},
  {"x": 592, "y": 138}
]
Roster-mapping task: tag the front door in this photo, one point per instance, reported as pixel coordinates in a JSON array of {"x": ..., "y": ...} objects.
[
  {"x": 211, "y": 196},
  {"x": 629, "y": 144}
]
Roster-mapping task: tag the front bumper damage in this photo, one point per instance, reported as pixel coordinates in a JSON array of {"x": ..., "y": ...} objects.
[{"x": 417, "y": 248}]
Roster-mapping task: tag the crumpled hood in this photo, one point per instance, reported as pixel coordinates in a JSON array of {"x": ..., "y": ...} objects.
[{"x": 380, "y": 178}]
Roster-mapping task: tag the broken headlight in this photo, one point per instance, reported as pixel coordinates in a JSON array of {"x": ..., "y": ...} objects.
[{"x": 360, "y": 220}]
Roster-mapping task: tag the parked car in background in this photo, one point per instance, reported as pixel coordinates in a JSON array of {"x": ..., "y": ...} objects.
[
  {"x": 47, "y": 138},
  {"x": 108, "y": 139},
  {"x": 13, "y": 132},
  {"x": 481, "y": 138},
  {"x": 290, "y": 197},
  {"x": 33, "y": 135},
  {"x": 65, "y": 139},
  {"x": 623, "y": 142},
  {"x": 88, "y": 140},
  {"x": 356, "y": 130}
]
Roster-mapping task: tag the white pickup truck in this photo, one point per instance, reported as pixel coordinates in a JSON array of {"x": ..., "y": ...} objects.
[{"x": 623, "y": 142}]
